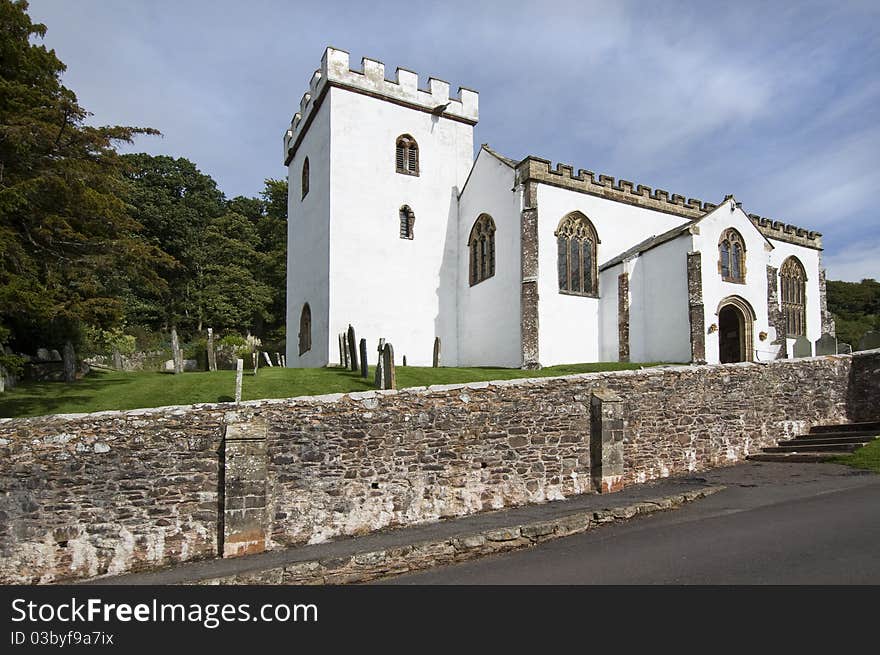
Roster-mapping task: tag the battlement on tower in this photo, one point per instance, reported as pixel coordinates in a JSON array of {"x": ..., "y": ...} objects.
[
  {"x": 370, "y": 80},
  {"x": 605, "y": 186}
]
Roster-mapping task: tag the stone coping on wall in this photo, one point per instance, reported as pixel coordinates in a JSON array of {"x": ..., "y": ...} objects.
[{"x": 232, "y": 408}]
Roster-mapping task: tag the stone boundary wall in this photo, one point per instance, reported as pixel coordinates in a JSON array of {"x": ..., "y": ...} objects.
[{"x": 90, "y": 494}]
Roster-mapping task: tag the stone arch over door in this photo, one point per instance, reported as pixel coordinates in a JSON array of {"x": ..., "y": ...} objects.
[{"x": 736, "y": 323}]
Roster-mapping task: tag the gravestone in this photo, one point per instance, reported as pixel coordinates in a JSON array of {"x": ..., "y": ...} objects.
[
  {"x": 363, "y": 354},
  {"x": 826, "y": 345},
  {"x": 803, "y": 347},
  {"x": 346, "y": 364},
  {"x": 404, "y": 360},
  {"x": 278, "y": 359},
  {"x": 42, "y": 355},
  {"x": 352, "y": 349},
  {"x": 68, "y": 356},
  {"x": 268, "y": 359},
  {"x": 844, "y": 348},
  {"x": 239, "y": 373},
  {"x": 389, "y": 377},
  {"x": 284, "y": 361},
  {"x": 212, "y": 357},
  {"x": 256, "y": 360},
  {"x": 870, "y": 341},
  {"x": 380, "y": 376},
  {"x": 54, "y": 355},
  {"x": 436, "y": 362},
  {"x": 341, "y": 350},
  {"x": 117, "y": 359},
  {"x": 176, "y": 355}
]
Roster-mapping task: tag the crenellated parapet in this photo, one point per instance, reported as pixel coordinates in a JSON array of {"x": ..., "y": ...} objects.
[
  {"x": 370, "y": 80},
  {"x": 605, "y": 186},
  {"x": 785, "y": 232}
]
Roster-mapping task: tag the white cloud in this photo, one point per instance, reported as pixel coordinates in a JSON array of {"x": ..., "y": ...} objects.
[{"x": 855, "y": 263}]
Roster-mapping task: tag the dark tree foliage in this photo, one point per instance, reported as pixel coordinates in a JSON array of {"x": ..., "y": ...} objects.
[
  {"x": 69, "y": 243},
  {"x": 856, "y": 308}
]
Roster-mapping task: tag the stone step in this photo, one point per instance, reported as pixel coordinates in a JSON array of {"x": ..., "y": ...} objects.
[
  {"x": 793, "y": 458},
  {"x": 870, "y": 434},
  {"x": 847, "y": 427},
  {"x": 832, "y": 448},
  {"x": 823, "y": 440}
]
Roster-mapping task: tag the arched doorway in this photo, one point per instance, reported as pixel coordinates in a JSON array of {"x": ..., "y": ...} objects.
[{"x": 735, "y": 339}]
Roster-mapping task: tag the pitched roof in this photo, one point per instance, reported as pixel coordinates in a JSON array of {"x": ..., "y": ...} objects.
[
  {"x": 506, "y": 160},
  {"x": 647, "y": 244}
]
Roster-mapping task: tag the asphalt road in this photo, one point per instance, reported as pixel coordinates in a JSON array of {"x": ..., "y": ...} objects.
[{"x": 774, "y": 524}]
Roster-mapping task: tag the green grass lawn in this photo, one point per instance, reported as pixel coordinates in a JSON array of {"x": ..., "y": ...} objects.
[
  {"x": 103, "y": 390},
  {"x": 864, "y": 458}
]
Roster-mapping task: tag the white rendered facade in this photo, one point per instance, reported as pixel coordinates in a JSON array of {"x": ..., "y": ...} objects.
[{"x": 348, "y": 261}]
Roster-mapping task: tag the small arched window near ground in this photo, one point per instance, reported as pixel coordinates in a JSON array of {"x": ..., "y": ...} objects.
[
  {"x": 793, "y": 292},
  {"x": 482, "y": 249},
  {"x": 407, "y": 155},
  {"x": 732, "y": 250},
  {"x": 305, "y": 178},
  {"x": 576, "y": 241},
  {"x": 305, "y": 330},
  {"x": 407, "y": 222}
]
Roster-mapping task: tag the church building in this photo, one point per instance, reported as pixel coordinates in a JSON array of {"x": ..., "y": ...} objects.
[{"x": 395, "y": 228}]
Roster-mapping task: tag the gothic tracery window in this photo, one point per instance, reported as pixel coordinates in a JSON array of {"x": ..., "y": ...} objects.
[
  {"x": 407, "y": 155},
  {"x": 305, "y": 178},
  {"x": 305, "y": 330},
  {"x": 576, "y": 241},
  {"x": 482, "y": 249},
  {"x": 733, "y": 256},
  {"x": 407, "y": 222},
  {"x": 793, "y": 285}
]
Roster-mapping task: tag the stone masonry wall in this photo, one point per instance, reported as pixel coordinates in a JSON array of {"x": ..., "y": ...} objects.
[{"x": 84, "y": 495}]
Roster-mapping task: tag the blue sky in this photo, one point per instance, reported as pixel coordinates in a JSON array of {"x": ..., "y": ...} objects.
[{"x": 775, "y": 102}]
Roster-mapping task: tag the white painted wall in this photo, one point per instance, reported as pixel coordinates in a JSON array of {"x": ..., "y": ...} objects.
[
  {"x": 308, "y": 244},
  {"x": 399, "y": 289},
  {"x": 659, "y": 327},
  {"x": 569, "y": 325},
  {"x": 809, "y": 257},
  {"x": 489, "y": 312},
  {"x": 609, "y": 331},
  {"x": 754, "y": 291}
]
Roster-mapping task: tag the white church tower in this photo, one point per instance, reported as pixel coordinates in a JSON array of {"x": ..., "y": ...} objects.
[{"x": 374, "y": 170}]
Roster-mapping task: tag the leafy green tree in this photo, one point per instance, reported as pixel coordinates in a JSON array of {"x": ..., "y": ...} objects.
[
  {"x": 68, "y": 239},
  {"x": 856, "y": 308}
]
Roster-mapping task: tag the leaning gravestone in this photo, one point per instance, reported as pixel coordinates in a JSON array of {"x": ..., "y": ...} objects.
[
  {"x": 844, "y": 348},
  {"x": 352, "y": 349},
  {"x": 341, "y": 350},
  {"x": 803, "y": 347},
  {"x": 870, "y": 341},
  {"x": 346, "y": 355},
  {"x": 268, "y": 359},
  {"x": 436, "y": 362},
  {"x": 380, "y": 376},
  {"x": 363, "y": 353},
  {"x": 826, "y": 345},
  {"x": 389, "y": 377}
]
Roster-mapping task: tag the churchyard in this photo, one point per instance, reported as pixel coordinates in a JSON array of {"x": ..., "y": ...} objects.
[{"x": 108, "y": 390}]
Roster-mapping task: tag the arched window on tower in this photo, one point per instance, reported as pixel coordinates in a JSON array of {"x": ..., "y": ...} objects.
[
  {"x": 305, "y": 178},
  {"x": 793, "y": 287},
  {"x": 732, "y": 252},
  {"x": 305, "y": 330},
  {"x": 407, "y": 155},
  {"x": 482, "y": 249},
  {"x": 576, "y": 242},
  {"x": 407, "y": 222}
]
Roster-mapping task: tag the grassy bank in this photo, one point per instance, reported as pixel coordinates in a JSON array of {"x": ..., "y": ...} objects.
[
  {"x": 102, "y": 390},
  {"x": 864, "y": 458}
]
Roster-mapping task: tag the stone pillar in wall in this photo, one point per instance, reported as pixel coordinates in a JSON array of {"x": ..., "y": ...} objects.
[
  {"x": 244, "y": 465},
  {"x": 623, "y": 317},
  {"x": 606, "y": 441},
  {"x": 696, "y": 312},
  {"x": 529, "y": 289},
  {"x": 774, "y": 312}
]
